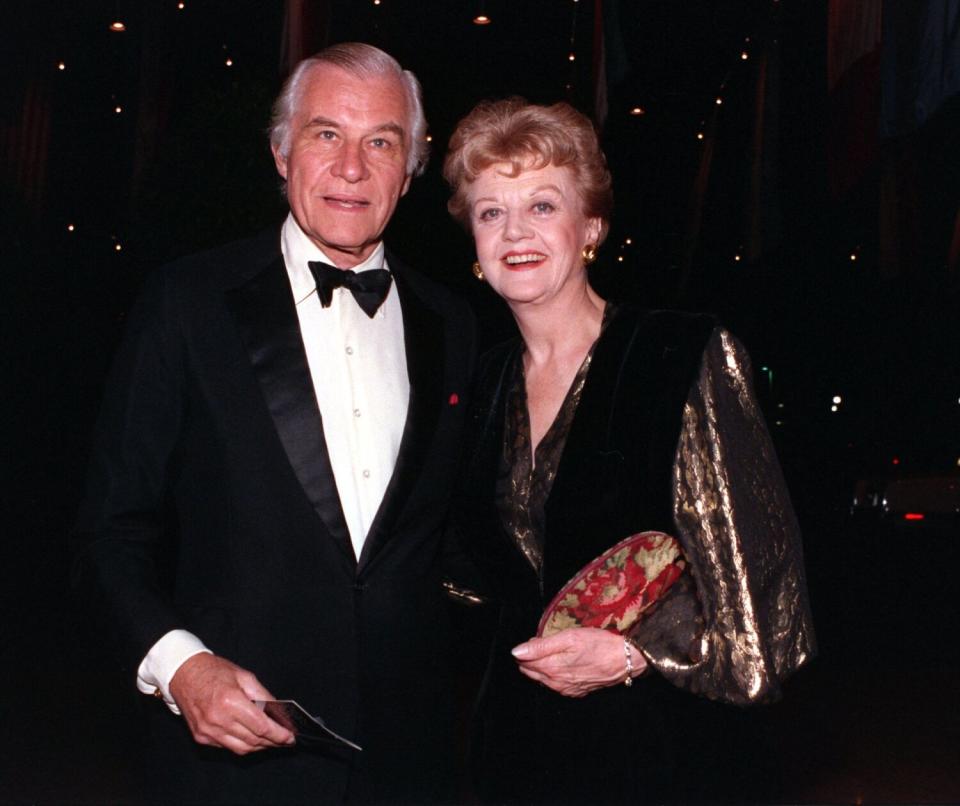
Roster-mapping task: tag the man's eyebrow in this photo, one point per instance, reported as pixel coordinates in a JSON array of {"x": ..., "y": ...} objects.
[
  {"x": 396, "y": 128},
  {"x": 320, "y": 122}
]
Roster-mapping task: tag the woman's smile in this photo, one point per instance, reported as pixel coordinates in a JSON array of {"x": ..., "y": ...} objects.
[{"x": 523, "y": 261}]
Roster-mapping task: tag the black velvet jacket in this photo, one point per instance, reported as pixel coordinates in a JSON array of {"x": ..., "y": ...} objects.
[
  {"x": 616, "y": 473},
  {"x": 629, "y": 439}
]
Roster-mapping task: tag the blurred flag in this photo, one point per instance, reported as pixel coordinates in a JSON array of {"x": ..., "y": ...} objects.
[
  {"x": 25, "y": 146},
  {"x": 921, "y": 62},
  {"x": 919, "y": 198},
  {"x": 600, "y": 103},
  {"x": 611, "y": 64},
  {"x": 853, "y": 82},
  {"x": 305, "y": 31}
]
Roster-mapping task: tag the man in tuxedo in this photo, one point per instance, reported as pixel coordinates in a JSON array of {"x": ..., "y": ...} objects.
[{"x": 271, "y": 471}]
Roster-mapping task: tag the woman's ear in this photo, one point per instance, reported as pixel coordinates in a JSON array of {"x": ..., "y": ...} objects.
[{"x": 594, "y": 229}]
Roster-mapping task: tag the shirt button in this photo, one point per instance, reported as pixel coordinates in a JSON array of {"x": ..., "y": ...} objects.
[
  {"x": 349, "y": 350},
  {"x": 356, "y": 412},
  {"x": 366, "y": 474}
]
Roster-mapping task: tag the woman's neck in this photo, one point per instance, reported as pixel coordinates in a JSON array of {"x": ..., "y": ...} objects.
[{"x": 561, "y": 330}]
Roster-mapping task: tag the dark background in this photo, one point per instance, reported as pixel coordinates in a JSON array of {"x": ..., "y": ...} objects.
[{"x": 845, "y": 285}]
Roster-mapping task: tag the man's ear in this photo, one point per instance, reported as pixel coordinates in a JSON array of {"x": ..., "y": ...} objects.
[
  {"x": 406, "y": 185},
  {"x": 279, "y": 160}
]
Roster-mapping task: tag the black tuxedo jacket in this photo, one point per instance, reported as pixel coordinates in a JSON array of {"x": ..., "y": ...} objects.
[
  {"x": 211, "y": 506},
  {"x": 614, "y": 479}
]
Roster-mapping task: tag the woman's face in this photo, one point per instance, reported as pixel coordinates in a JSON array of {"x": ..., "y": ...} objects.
[{"x": 530, "y": 231}]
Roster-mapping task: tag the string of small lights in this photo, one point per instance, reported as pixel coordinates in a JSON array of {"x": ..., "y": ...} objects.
[
  {"x": 708, "y": 124},
  {"x": 119, "y": 26}
]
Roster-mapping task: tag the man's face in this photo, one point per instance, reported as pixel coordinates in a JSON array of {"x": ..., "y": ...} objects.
[{"x": 346, "y": 169}]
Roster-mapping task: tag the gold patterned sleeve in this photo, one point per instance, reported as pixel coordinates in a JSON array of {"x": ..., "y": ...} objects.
[{"x": 741, "y": 623}]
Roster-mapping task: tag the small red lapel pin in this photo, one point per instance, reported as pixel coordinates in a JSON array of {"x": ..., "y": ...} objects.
[{"x": 454, "y": 399}]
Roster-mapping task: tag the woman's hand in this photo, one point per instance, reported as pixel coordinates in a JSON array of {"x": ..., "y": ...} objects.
[{"x": 576, "y": 661}]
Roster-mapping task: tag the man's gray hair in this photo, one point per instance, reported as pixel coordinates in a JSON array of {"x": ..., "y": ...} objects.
[{"x": 363, "y": 61}]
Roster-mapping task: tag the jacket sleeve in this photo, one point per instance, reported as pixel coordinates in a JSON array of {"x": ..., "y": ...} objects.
[
  {"x": 466, "y": 581},
  {"x": 121, "y": 542},
  {"x": 740, "y": 624}
]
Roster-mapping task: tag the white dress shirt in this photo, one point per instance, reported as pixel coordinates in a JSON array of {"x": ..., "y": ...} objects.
[{"x": 358, "y": 366}]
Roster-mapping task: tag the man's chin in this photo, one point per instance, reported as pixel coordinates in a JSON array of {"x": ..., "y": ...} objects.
[{"x": 344, "y": 252}]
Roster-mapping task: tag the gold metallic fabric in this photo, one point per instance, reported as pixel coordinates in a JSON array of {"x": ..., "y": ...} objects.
[
  {"x": 742, "y": 624},
  {"x": 522, "y": 486}
]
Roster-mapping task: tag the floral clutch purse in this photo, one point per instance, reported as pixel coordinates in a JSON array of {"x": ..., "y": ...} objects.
[{"x": 613, "y": 591}]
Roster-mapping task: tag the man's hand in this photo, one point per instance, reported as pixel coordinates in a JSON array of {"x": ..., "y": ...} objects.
[
  {"x": 577, "y": 661},
  {"x": 215, "y": 698}
]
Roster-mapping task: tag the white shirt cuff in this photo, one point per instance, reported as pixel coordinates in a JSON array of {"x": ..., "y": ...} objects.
[{"x": 162, "y": 661}]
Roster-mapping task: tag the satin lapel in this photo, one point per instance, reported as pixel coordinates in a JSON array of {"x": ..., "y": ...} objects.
[
  {"x": 267, "y": 318},
  {"x": 424, "y": 346}
]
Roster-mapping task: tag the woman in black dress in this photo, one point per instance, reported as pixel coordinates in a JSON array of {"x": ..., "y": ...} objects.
[{"x": 600, "y": 421}]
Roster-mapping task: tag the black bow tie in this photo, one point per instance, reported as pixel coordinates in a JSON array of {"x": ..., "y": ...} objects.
[{"x": 369, "y": 288}]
